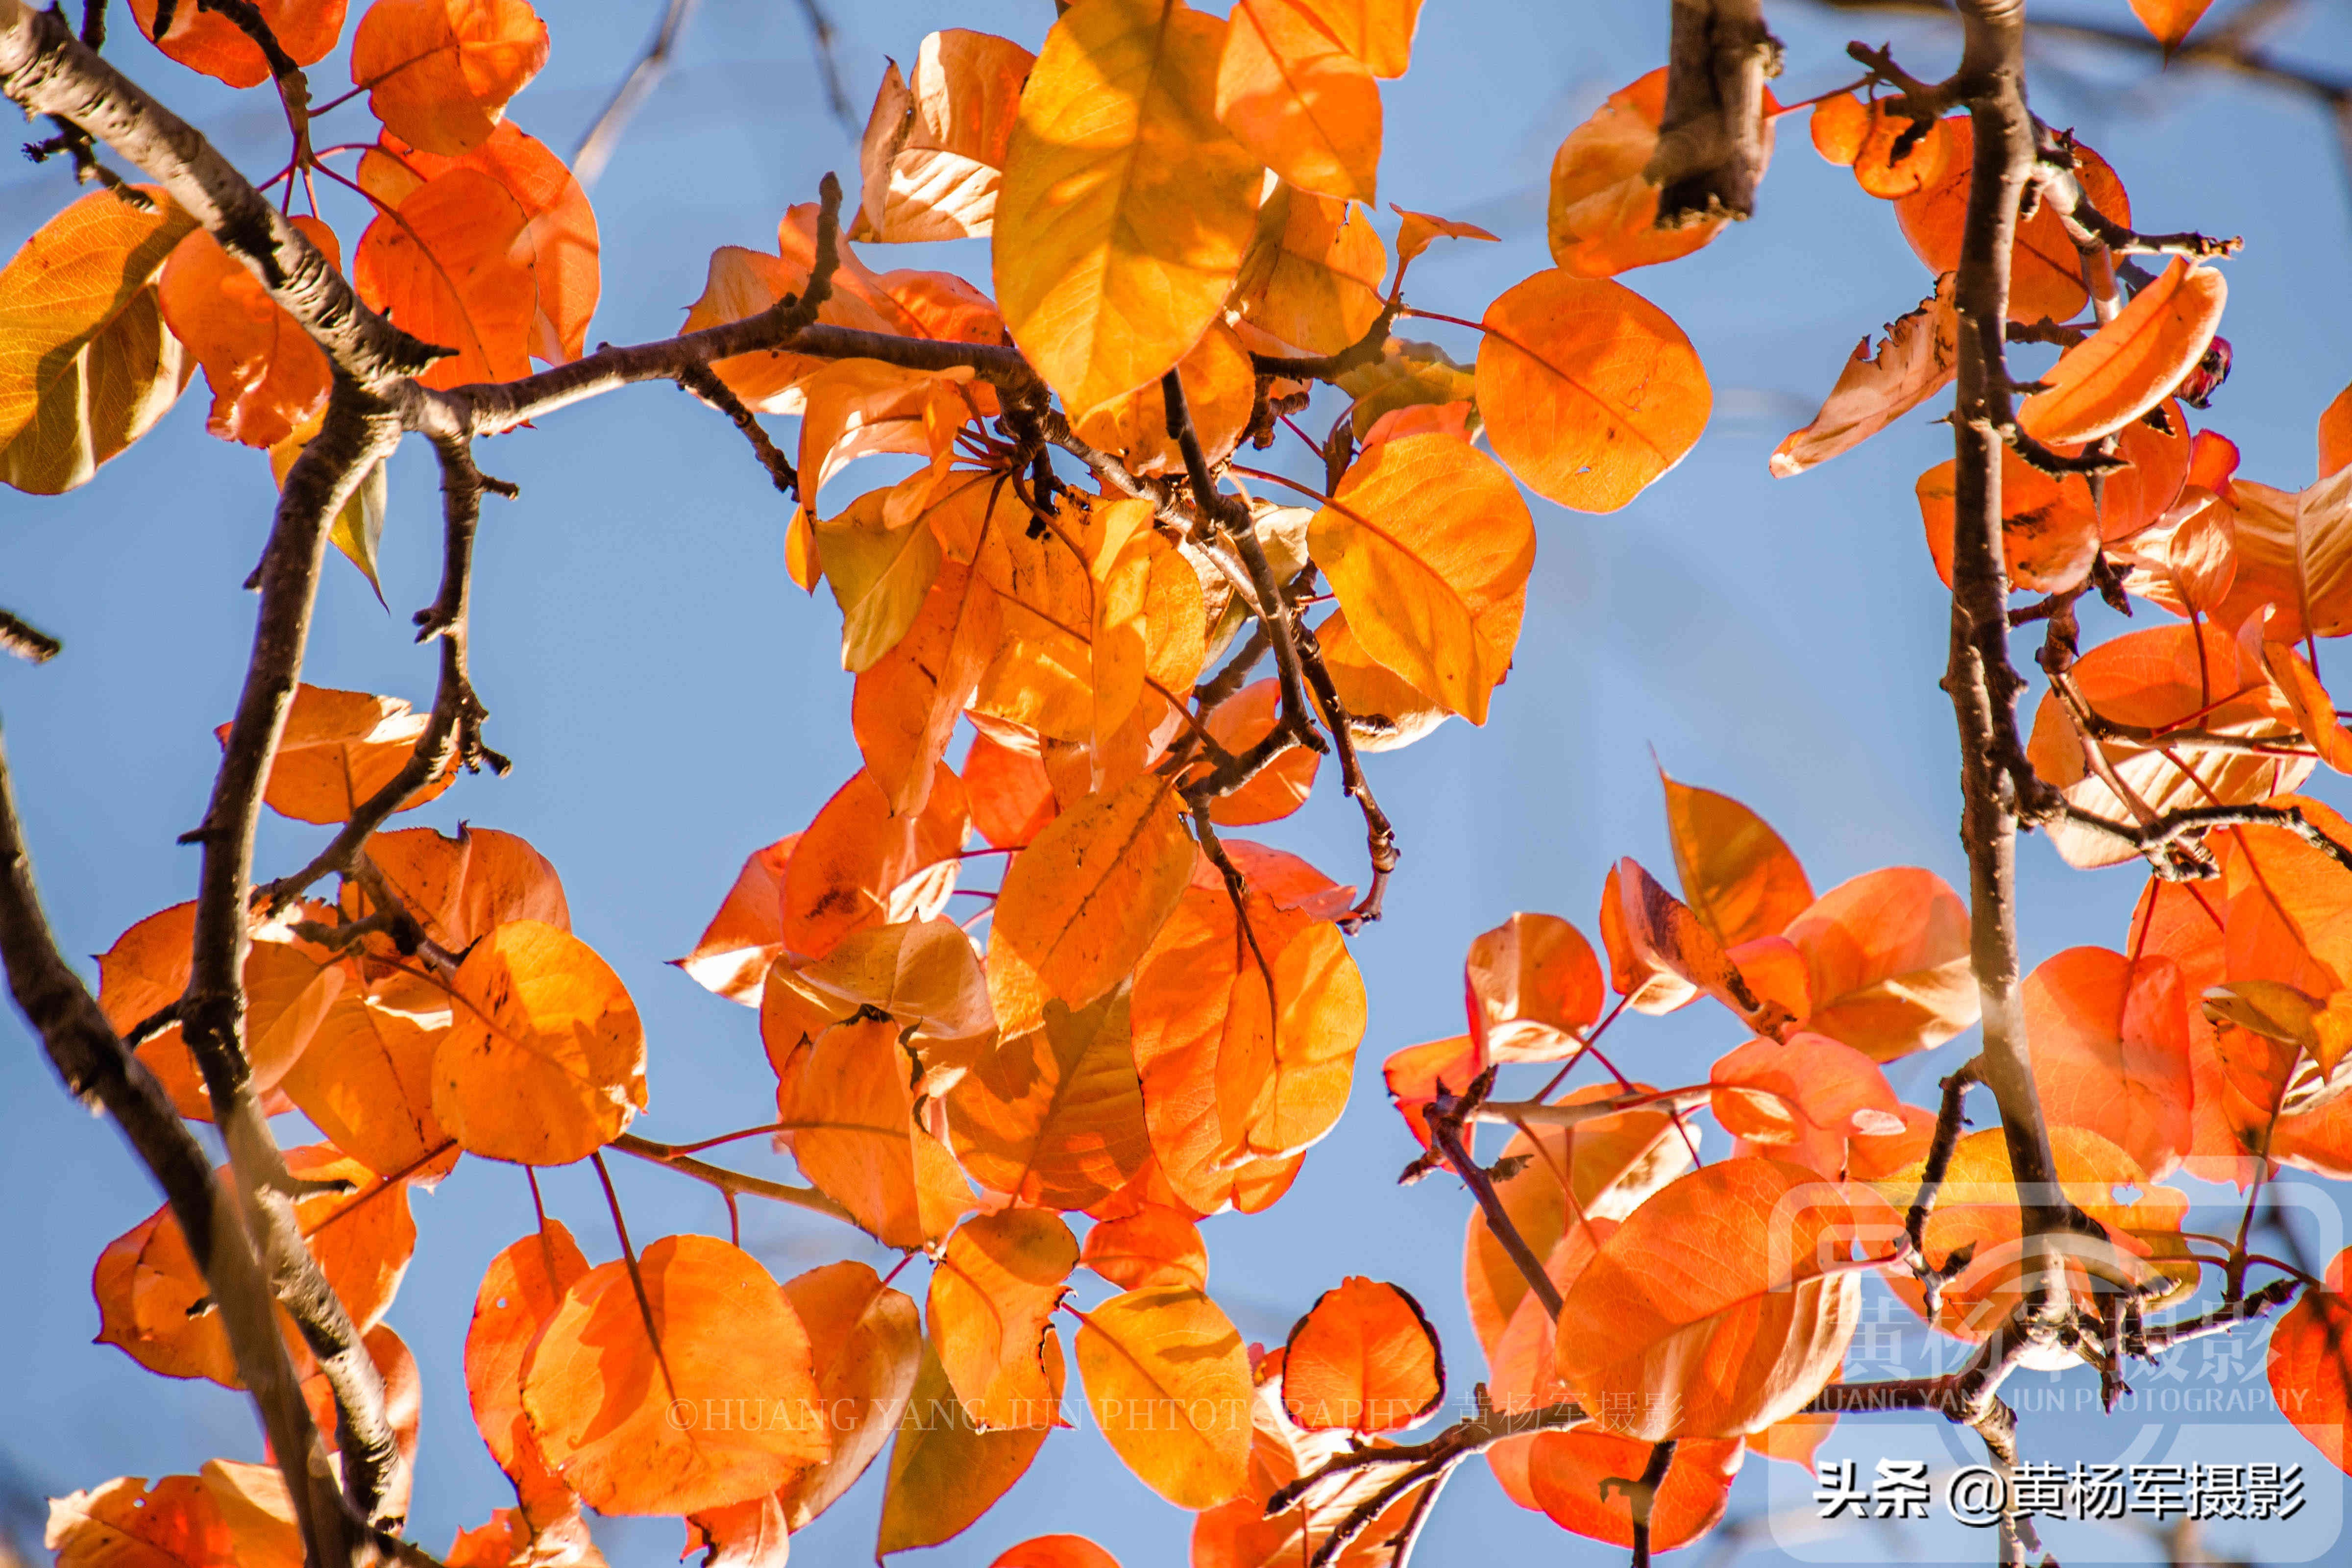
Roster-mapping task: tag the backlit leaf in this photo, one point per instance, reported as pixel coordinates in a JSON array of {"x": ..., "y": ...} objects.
[
  {"x": 934, "y": 149},
  {"x": 1533, "y": 985},
  {"x": 1604, "y": 202},
  {"x": 628, "y": 1399},
  {"x": 2309, "y": 1367},
  {"x": 859, "y": 865},
  {"x": 450, "y": 264},
  {"x": 992, "y": 1296},
  {"x": 2133, "y": 362},
  {"x": 1737, "y": 876},
  {"x": 1125, "y": 207},
  {"x": 1155, "y": 1246},
  {"x": 1299, "y": 100},
  {"x": 865, "y": 1343},
  {"x": 267, "y": 377},
  {"x": 1416, "y": 230},
  {"x": 1363, "y": 1358},
  {"x": 439, "y": 72},
  {"x": 1589, "y": 392},
  {"x": 848, "y": 1095},
  {"x": 2045, "y": 269},
  {"x": 1887, "y": 961},
  {"x": 2050, "y": 529},
  {"x": 128, "y": 1523},
  {"x": 1168, "y": 1384},
  {"x": 338, "y": 749},
  {"x": 945, "y": 1472},
  {"x": 1054, "y": 1114},
  {"x": 744, "y": 937},
  {"x": 1084, "y": 900},
  {"x": 1916, "y": 360},
  {"x": 2168, "y": 21},
  {"x": 205, "y": 39},
  {"x": 2110, "y": 1050},
  {"x": 519, "y": 1293}
]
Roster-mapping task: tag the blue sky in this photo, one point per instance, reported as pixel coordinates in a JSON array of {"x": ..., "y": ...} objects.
[{"x": 672, "y": 703}]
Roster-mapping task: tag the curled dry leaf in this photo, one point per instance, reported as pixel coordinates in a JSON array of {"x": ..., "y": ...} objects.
[
  {"x": 628, "y": 1396},
  {"x": 1169, "y": 1384},
  {"x": 1534, "y": 987},
  {"x": 87, "y": 364},
  {"x": 1125, "y": 207},
  {"x": 2131, "y": 364},
  {"x": 1589, "y": 392},
  {"x": 990, "y": 1310},
  {"x": 1709, "y": 1311},
  {"x": 1363, "y": 1359},
  {"x": 1429, "y": 547},
  {"x": 439, "y": 72},
  {"x": 934, "y": 148},
  {"x": 1299, "y": 100},
  {"x": 267, "y": 377},
  {"x": 1916, "y": 360},
  {"x": 337, "y": 750},
  {"x": 545, "y": 1060}
]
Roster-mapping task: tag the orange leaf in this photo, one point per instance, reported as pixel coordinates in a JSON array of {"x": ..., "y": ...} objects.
[
  {"x": 1879, "y": 170},
  {"x": 1534, "y": 986},
  {"x": 1415, "y": 230},
  {"x": 519, "y": 1293},
  {"x": 1916, "y": 360},
  {"x": 1803, "y": 1097},
  {"x": 205, "y": 39},
  {"x": 338, "y": 750},
  {"x": 629, "y": 1396},
  {"x": 1603, "y": 215},
  {"x": 1154, "y": 1246},
  {"x": 1169, "y": 1384},
  {"x": 1660, "y": 955},
  {"x": 267, "y": 377},
  {"x": 921, "y": 974},
  {"x": 1281, "y": 787},
  {"x": 545, "y": 1062},
  {"x": 439, "y": 72},
  {"x": 1589, "y": 392},
  {"x": 1839, "y": 125},
  {"x": 1012, "y": 799},
  {"x": 1887, "y": 963},
  {"x": 748, "y": 933},
  {"x": 1363, "y": 1358},
  {"x": 2335, "y": 434},
  {"x": 904, "y": 708},
  {"x": 991, "y": 1309},
  {"x": 2168, "y": 21},
  {"x": 2137, "y": 497},
  {"x": 850, "y": 1098},
  {"x": 859, "y": 866},
  {"x": 2310, "y": 1368},
  {"x": 449, "y": 264},
  {"x": 1299, "y": 100},
  {"x": 1568, "y": 1472},
  {"x": 1385, "y": 711},
  {"x": 2049, "y": 528},
  {"x": 1737, "y": 876},
  {"x": 1220, "y": 394},
  {"x": 2133, "y": 362},
  {"x": 559, "y": 247},
  {"x": 1240, "y": 1533},
  {"x": 934, "y": 151},
  {"x": 1054, "y": 1114},
  {"x": 365, "y": 1079},
  {"x": 1707, "y": 1314},
  {"x": 1312, "y": 276},
  {"x": 1377, "y": 32},
  {"x": 944, "y": 1471},
  {"x": 127, "y": 1523},
  {"x": 2045, "y": 270},
  {"x": 1055, "y": 1551},
  {"x": 2110, "y": 1048},
  {"x": 1417, "y": 1075},
  {"x": 462, "y": 887},
  {"x": 1429, "y": 547},
  {"x": 1087, "y": 897},
  {"x": 866, "y": 1343}
]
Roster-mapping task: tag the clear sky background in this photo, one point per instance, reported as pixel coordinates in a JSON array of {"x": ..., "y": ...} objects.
[{"x": 672, "y": 703}]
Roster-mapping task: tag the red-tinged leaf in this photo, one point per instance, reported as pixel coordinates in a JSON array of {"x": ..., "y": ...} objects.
[
  {"x": 849, "y": 1101},
  {"x": 448, "y": 265},
  {"x": 1533, "y": 986},
  {"x": 1709, "y": 1312},
  {"x": 859, "y": 866},
  {"x": 128, "y": 1523},
  {"x": 268, "y": 378},
  {"x": 1169, "y": 1384},
  {"x": 205, "y": 39},
  {"x": 628, "y": 1396},
  {"x": 1838, "y": 126},
  {"x": 2110, "y": 1047},
  {"x": 519, "y": 1293},
  {"x": 1242, "y": 1533},
  {"x": 1878, "y": 169},
  {"x": 746, "y": 933},
  {"x": 1916, "y": 360},
  {"x": 439, "y": 72},
  {"x": 1364, "y": 1359},
  {"x": 990, "y": 1310},
  {"x": 2335, "y": 434},
  {"x": 559, "y": 246},
  {"x": 2134, "y": 498},
  {"x": 1803, "y": 1097},
  {"x": 2050, "y": 529},
  {"x": 1416, "y": 230},
  {"x": 1417, "y": 1075},
  {"x": 1589, "y": 392},
  {"x": 2131, "y": 364},
  {"x": 1085, "y": 899},
  {"x": 1660, "y": 955},
  {"x": 1055, "y": 1551},
  {"x": 1887, "y": 962},
  {"x": 945, "y": 1472},
  {"x": 2168, "y": 21},
  {"x": 1737, "y": 876},
  {"x": 2310, "y": 1365},
  {"x": 2288, "y": 908},
  {"x": 545, "y": 1060},
  {"x": 1154, "y": 1246}
]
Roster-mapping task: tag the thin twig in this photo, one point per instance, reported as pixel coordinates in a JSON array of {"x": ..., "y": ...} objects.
[
  {"x": 26, "y": 641},
  {"x": 596, "y": 147}
]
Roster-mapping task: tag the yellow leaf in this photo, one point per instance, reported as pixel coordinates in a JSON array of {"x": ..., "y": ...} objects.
[
  {"x": 1312, "y": 276},
  {"x": 1305, "y": 106},
  {"x": 1087, "y": 897},
  {"x": 879, "y": 574},
  {"x": 1169, "y": 1384},
  {"x": 991, "y": 1307},
  {"x": 1428, "y": 546},
  {"x": 1377, "y": 32},
  {"x": 1126, "y": 206},
  {"x": 945, "y": 1472}
]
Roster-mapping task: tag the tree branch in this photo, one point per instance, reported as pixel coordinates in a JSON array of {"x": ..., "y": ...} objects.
[
  {"x": 597, "y": 146},
  {"x": 703, "y": 381},
  {"x": 1446, "y": 1116},
  {"x": 1711, "y": 140},
  {"x": 26, "y": 641}
]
